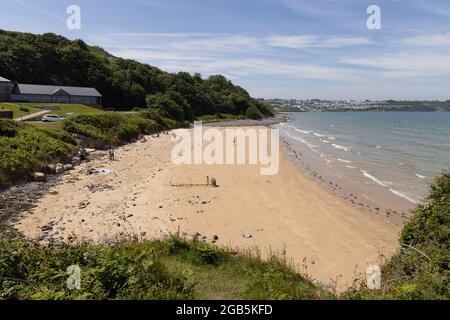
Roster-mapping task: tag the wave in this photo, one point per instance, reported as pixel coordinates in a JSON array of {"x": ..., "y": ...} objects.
[
  {"x": 332, "y": 138},
  {"x": 325, "y": 141},
  {"x": 343, "y": 160},
  {"x": 303, "y": 131},
  {"x": 420, "y": 176},
  {"x": 319, "y": 135},
  {"x": 375, "y": 179},
  {"x": 322, "y": 155},
  {"x": 311, "y": 146},
  {"x": 295, "y": 128},
  {"x": 340, "y": 147},
  {"x": 405, "y": 196},
  {"x": 350, "y": 167}
]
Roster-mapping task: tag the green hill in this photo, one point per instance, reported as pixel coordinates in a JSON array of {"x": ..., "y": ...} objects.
[{"x": 125, "y": 84}]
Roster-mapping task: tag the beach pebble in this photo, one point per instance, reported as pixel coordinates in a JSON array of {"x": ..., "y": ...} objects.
[
  {"x": 67, "y": 167},
  {"x": 76, "y": 161},
  {"x": 39, "y": 176}
]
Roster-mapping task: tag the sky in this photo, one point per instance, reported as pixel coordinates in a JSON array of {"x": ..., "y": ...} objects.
[{"x": 300, "y": 49}]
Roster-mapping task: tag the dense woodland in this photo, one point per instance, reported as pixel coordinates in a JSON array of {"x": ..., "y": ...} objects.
[{"x": 125, "y": 84}]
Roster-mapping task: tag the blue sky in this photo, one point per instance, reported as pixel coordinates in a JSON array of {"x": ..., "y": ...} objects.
[{"x": 273, "y": 48}]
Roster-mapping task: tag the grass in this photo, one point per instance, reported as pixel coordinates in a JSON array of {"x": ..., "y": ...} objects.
[
  {"x": 421, "y": 268},
  {"x": 78, "y": 109},
  {"x": 55, "y": 126},
  {"x": 18, "y": 109},
  {"x": 118, "y": 127},
  {"x": 218, "y": 118},
  {"x": 169, "y": 269},
  {"x": 25, "y": 149},
  {"x": 23, "y": 109}
]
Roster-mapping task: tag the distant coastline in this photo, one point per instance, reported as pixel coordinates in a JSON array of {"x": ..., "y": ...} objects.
[{"x": 316, "y": 105}]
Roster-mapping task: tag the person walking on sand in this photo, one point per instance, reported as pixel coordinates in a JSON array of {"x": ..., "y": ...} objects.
[{"x": 112, "y": 156}]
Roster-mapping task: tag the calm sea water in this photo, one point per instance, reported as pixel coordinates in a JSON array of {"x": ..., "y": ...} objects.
[{"x": 399, "y": 151}]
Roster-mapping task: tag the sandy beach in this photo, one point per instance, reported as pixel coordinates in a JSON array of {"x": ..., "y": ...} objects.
[{"x": 147, "y": 196}]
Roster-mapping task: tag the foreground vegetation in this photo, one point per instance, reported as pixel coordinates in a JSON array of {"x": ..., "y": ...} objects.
[
  {"x": 25, "y": 149},
  {"x": 170, "y": 269},
  {"x": 181, "y": 269},
  {"x": 421, "y": 269}
]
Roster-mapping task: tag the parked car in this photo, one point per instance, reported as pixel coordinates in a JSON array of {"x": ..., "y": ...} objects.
[{"x": 52, "y": 118}]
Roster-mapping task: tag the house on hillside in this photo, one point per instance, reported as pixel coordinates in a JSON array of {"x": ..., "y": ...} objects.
[
  {"x": 11, "y": 91},
  {"x": 6, "y": 88}
]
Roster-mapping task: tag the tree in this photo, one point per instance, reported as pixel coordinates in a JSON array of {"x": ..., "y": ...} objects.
[
  {"x": 253, "y": 113},
  {"x": 164, "y": 103}
]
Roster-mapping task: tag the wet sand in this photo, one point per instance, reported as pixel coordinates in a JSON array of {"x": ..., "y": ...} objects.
[{"x": 148, "y": 197}]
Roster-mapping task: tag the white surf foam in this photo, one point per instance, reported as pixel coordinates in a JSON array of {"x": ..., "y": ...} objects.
[
  {"x": 318, "y": 135},
  {"x": 303, "y": 131},
  {"x": 373, "y": 178},
  {"x": 341, "y": 147},
  {"x": 343, "y": 160},
  {"x": 405, "y": 196},
  {"x": 420, "y": 176},
  {"x": 311, "y": 146}
]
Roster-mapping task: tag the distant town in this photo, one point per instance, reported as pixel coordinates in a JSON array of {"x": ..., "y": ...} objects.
[{"x": 316, "y": 105}]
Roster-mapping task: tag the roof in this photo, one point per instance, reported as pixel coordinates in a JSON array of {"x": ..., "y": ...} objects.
[
  {"x": 50, "y": 90},
  {"x": 4, "y": 80}
]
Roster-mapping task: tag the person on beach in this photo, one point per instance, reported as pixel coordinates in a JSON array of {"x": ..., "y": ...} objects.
[
  {"x": 112, "y": 156},
  {"x": 82, "y": 154}
]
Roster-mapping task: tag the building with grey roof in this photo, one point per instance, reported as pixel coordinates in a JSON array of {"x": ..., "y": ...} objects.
[
  {"x": 10, "y": 91},
  {"x": 6, "y": 87}
]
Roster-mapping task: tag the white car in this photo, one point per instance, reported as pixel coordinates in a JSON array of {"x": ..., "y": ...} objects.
[{"x": 52, "y": 118}]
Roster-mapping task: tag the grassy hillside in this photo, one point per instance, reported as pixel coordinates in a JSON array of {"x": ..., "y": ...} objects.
[
  {"x": 64, "y": 108},
  {"x": 170, "y": 269},
  {"x": 19, "y": 110},
  {"x": 124, "y": 84},
  {"x": 25, "y": 149},
  {"x": 23, "y": 109}
]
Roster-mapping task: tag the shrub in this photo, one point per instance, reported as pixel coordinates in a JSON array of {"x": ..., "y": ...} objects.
[
  {"x": 111, "y": 125},
  {"x": 162, "y": 122},
  {"x": 421, "y": 269},
  {"x": 25, "y": 149},
  {"x": 123, "y": 271},
  {"x": 254, "y": 113}
]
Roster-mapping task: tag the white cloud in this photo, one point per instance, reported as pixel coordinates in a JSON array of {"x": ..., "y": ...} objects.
[
  {"x": 307, "y": 41},
  {"x": 257, "y": 67},
  {"x": 37, "y": 9},
  {"x": 406, "y": 65},
  {"x": 156, "y": 55},
  {"x": 435, "y": 40}
]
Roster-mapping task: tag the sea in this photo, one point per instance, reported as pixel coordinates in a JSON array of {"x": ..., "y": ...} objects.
[{"x": 391, "y": 157}]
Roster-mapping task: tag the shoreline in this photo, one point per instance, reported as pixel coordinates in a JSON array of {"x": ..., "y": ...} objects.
[{"x": 344, "y": 190}]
